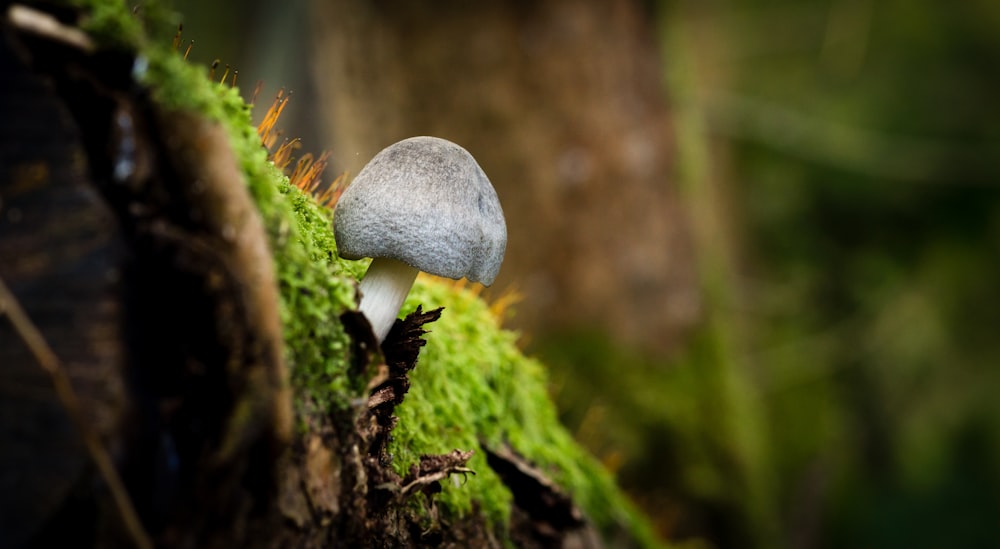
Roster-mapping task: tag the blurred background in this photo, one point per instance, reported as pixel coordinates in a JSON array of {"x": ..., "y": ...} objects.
[{"x": 758, "y": 243}]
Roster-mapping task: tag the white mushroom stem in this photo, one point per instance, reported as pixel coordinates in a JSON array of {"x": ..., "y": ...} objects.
[{"x": 383, "y": 290}]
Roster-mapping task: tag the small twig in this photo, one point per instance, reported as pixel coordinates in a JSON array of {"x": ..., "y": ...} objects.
[
  {"x": 433, "y": 477},
  {"x": 49, "y": 362},
  {"x": 435, "y": 468}
]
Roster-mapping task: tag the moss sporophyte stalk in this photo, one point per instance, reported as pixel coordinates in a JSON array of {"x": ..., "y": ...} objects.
[{"x": 472, "y": 387}]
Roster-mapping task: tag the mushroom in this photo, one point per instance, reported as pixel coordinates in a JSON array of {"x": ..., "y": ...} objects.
[{"x": 422, "y": 204}]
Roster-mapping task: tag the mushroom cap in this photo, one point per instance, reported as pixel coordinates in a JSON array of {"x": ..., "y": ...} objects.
[{"x": 426, "y": 202}]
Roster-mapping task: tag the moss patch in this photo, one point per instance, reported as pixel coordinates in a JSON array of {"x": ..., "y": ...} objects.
[{"x": 472, "y": 385}]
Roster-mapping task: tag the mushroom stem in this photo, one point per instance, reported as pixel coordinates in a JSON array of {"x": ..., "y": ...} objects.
[{"x": 383, "y": 290}]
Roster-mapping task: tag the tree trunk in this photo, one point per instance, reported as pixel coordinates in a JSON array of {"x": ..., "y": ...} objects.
[{"x": 562, "y": 105}]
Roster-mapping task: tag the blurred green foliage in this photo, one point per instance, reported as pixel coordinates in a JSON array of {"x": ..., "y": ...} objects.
[{"x": 842, "y": 392}]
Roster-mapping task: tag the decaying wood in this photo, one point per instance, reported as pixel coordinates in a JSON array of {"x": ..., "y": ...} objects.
[
  {"x": 127, "y": 234},
  {"x": 543, "y": 514},
  {"x": 63, "y": 388},
  {"x": 66, "y": 277},
  {"x": 128, "y": 238},
  {"x": 338, "y": 486},
  {"x": 404, "y": 341}
]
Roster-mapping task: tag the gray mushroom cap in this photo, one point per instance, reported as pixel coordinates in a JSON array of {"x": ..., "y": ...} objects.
[{"x": 426, "y": 202}]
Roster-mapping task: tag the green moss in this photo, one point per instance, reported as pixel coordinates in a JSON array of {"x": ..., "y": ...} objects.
[
  {"x": 315, "y": 286},
  {"x": 110, "y": 24},
  {"x": 472, "y": 384}
]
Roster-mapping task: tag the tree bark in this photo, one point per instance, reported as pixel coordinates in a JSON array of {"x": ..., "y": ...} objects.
[
  {"x": 130, "y": 242},
  {"x": 562, "y": 105}
]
